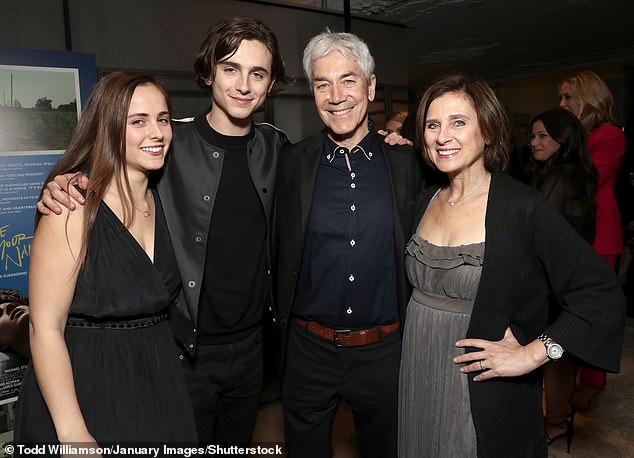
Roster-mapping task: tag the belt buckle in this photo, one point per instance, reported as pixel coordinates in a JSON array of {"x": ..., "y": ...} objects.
[{"x": 344, "y": 332}]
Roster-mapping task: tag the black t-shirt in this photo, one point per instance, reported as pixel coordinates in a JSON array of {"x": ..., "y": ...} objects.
[{"x": 234, "y": 282}]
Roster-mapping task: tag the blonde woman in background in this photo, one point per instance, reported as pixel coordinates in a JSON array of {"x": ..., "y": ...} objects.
[
  {"x": 487, "y": 255},
  {"x": 586, "y": 95}
]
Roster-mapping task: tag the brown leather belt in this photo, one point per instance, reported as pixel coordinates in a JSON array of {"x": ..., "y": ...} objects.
[{"x": 347, "y": 337}]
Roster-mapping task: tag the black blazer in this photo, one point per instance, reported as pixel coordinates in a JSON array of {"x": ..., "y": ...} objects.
[
  {"x": 297, "y": 172},
  {"x": 531, "y": 251}
]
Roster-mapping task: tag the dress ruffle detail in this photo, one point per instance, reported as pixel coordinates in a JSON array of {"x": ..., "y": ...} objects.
[{"x": 443, "y": 257}]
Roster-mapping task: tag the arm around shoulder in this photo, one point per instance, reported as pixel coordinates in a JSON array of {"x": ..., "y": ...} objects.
[{"x": 60, "y": 192}]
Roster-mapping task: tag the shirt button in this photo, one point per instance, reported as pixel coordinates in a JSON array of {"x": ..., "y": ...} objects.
[
  {"x": 352, "y": 207},
  {"x": 191, "y": 345},
  {"x": 353, "y": 185},
  {"x": 342, "y": 151},
  {"x": 215, "y": 154},
  {"x": 191, "y": 284},
  {"x": 349, "y": 311},
  {"x": 370, "y": 154},
  {"x": 351, "y": 277},
  {"x": 328, "y": 157},
  {"x": 198, "y": 239},
  {"x": 353, "y": 175},
  {"x": 206, "y": 198},
  {"x": 274, "y": 320},
  {"x": 180, "y": 357},
  {"x": 352, "y": 243}
]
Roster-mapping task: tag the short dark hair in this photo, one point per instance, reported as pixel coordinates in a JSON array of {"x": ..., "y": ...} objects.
[
  {"x": 492, "y": 117},
  {"x": 223, "y": 40}
]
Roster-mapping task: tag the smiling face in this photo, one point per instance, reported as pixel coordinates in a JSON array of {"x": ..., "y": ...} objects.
[
  {"x": 14, "y": 325},
  {"x": 342, "y": 96},
  {"x": 543, "y": 145},
  {"x": 567, "y": 101},
  {"x": 239, "y": 87},
  {"x": 148, "y": 129},
  {"x": 453, "y": 140}
]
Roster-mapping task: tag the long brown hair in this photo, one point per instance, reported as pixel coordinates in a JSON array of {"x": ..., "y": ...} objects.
[{"x": 98, "y": 146}]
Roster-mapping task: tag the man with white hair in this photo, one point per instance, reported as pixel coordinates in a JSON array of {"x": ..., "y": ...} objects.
[{"x": 344, "y": 212}]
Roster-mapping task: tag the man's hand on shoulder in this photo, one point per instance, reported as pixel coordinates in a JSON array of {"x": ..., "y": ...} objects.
[
  {"x": 62, "y": 192},
  {"x": 394, "y": 138}
]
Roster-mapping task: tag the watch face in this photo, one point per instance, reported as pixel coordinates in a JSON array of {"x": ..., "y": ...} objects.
[{"x": 554, "y": 351}]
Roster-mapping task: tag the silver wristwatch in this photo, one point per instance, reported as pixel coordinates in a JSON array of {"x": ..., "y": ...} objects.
[{"x": 553, "y": 349}]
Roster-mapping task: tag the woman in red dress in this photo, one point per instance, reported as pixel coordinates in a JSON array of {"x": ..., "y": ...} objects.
[{"x": 586, "y": 95}]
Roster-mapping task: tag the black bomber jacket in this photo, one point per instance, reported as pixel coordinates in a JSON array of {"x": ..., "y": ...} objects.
[{"x": 187, "y": 187}]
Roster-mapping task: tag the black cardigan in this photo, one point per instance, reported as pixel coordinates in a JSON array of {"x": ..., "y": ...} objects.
[{"x": 531, "y": 251}]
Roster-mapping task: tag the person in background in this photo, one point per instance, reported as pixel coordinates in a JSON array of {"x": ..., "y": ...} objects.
[
  {"x": 586, "y": 96},
  {"x": 486, "y": 256},
  {"x": 563, "y": 171},
  {"x": 408, "y": 128},
  {"x": 520, "y": 154},
  {"x": 395, "y": 121},
  {"x": 101, "y": 280},
  {"x": 344, "y": 205}
]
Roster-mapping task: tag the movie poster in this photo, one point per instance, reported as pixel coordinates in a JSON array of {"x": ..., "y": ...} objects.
[
  {"x": 38, "y": 113},
  {"x": 41, "y": 94}
]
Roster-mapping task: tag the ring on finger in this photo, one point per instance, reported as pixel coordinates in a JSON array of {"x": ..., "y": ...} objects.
[{"x": 482, "y": 365}]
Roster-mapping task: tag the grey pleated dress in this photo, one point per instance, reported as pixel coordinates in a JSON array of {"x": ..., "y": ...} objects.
[{"x": 434, "y": 410}]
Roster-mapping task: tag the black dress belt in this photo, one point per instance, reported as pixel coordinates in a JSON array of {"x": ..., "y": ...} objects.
[{"x": 134, "y": 323}]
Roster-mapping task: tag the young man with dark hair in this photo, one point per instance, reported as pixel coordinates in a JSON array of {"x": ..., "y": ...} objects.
[
  {"x": 217, "y": 192},
  {"x": 217, "y": 189}
]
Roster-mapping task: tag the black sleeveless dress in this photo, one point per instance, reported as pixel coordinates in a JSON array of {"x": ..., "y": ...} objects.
[{"x": 127, "y": 376}]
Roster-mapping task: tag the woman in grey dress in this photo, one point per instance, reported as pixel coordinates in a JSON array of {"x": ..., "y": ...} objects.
[{"x": 486, "y": 255}]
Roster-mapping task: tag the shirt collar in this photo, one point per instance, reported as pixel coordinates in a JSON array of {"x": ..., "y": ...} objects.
[{"x": 364, "y": 147}]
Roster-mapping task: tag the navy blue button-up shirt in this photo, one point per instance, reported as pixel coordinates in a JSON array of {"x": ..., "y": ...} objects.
[{"x": 347, "y": 277}]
